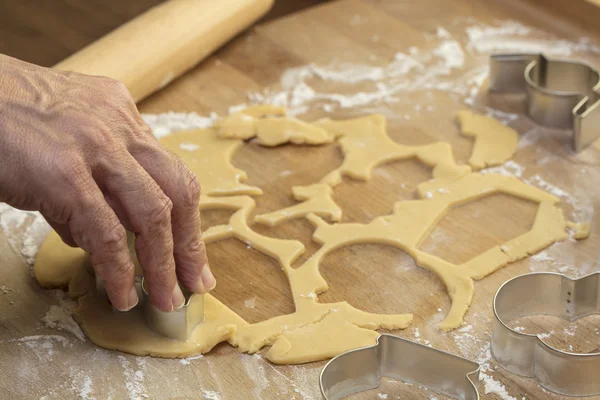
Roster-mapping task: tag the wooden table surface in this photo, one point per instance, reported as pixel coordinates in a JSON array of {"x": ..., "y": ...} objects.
[{"x": 371, "y": 277}]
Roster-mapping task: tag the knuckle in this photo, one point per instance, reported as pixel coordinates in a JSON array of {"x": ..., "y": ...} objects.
[
  {"x": 115, "y": 86},
  {"x": 160, "y": 213},
  {"x": 192, "y": 190},
  {"x": 113, "y": 240}
]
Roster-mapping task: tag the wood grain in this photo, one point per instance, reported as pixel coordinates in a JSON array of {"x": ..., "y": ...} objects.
[{"x": 371, "y": 277}]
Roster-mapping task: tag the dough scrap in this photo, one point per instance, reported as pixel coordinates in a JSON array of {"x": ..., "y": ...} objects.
[
  {"x": 305, "y": 335},
  {"x": 315, "y": 199},
  {"x": 270, "y": 131},
  {"x": 210, "y": 159},
  {"x": 495, "y": 142}
]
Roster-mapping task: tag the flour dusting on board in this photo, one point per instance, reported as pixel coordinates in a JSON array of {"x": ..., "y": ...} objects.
[
  {"x": 61, "y": 316},
  {"x": 134, "y": 378}
]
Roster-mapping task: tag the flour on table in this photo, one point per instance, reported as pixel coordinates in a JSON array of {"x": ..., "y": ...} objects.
[
  {"x": 512, "y": 36},
  {"x": 509, "y": 168},
  {"x": 134, "y": 378},
  {"x": 43, "y": 345},
  {"x": 490, "y": 385},
  {"x": 25, "y": 230},
  {"x": 250, "y": 303},
  {"x": 60, "y": 316},
  {"x": 210, "y": 395}
]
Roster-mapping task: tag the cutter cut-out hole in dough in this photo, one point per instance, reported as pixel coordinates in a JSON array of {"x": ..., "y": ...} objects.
[
  {"x": 579, "y": 336},
  {"x": 250, "y": 278},
  {"x": 362, "y": 201},
  {"x": 284, "y": 167},
  {"x": 376, "y": 289},
  {"x": 470, "y": 229},
  {"x": 297, "y": 229},
  {"x": 214, "y": 217}
]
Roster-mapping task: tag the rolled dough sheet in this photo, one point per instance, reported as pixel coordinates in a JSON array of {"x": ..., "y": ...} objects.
[{"x": 315, "y": 331}]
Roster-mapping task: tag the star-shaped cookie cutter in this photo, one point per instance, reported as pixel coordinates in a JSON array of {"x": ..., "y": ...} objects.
[
  {"x": 561, "y": 94},
  {"x": 547, "y": 293},
  {"x": 397, "y": 358}
]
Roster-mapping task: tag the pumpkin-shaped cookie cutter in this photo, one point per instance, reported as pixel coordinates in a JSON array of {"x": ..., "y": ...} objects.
[{"x": 547, "y": 293}]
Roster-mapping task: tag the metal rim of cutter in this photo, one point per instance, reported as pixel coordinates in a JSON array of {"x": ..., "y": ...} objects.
[
  {"x": 546, "y": 293},
  {"x": 176, "y": 324},
  {"x": 401, "y": 359},
  {"x": 562, "y": 94}
]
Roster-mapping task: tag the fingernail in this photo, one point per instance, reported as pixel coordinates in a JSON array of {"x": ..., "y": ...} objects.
[
  {"x": 208, "y": 279},
  {"x": 132, "y": 299},
  {"x": 178, "y": 297}
]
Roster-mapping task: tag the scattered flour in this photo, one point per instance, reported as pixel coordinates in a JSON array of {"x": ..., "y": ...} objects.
[
  {"x": 250, "y": 303},
  {"x": 188, "y": 360},
  {"x": 509, "y": 168},
  {"x": 210, "y": 395},
  {"x": 163, "y": 124},
  {"x": 134, "y": 378},
  {"x": 538, "y": 181},
  {"x": 43, "y": 345},
  {"x": 542, "y": 256},
  {"x": 511, "y": 36},
  {"x": 545, "y": 335},
  {"x": 382, "y": 396},
  {"x": 60, "y": 316},
  {"x": 489, "y": 383},
  {"x": 189, "y": 146}
]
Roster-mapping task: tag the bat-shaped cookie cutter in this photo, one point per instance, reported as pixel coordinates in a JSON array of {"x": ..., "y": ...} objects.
[
  {"x": 397, "y": 358},
  {"x": 525, "y": 354},
  {"x": 561, "y": 93}
]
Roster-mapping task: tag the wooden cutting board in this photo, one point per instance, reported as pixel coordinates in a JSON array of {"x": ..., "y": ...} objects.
[{"x": 371, "y": 277}]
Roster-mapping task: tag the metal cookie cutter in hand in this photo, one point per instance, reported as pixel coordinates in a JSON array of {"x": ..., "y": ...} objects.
[
  {"x": 561, "y": 94},
  {"x": 177, "y": 324},
  {"x": 401, "y": 359},
  {"x": 526, "y": 354}
]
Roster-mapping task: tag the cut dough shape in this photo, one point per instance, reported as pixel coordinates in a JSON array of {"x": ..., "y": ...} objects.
[
  {"x": 495, "y": 142},
  {"x": 270, "y": 131},
  {"x": 305, "y": 335},
  {"x": 315, "y": 199},
  {"x": 410, "y": 223},
  {"x": 211, "y": 161},
  {"x": 366, "y": 145}
]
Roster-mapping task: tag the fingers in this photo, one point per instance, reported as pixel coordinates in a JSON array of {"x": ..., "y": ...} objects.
[
  {"x": 182, "y": 187},
  {"x": 63, "y": 231},
  {"x": 95, "y": 228},
  {"x": 145, "y": 209}
]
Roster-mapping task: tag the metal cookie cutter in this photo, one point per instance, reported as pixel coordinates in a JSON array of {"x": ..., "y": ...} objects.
[
  {"x": 177, "y": 324},
  {"x": 401, "y": 359},
  {"x": 561, "y": 94},
  {"x": 549, "y": 293}
]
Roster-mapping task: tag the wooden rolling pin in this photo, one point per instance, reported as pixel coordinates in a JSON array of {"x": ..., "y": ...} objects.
[{"x": 156, "y": 47}]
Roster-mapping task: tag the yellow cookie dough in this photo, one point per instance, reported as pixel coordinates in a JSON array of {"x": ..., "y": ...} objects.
[
  {"x": 306, "y": 335},
  {"x": 495, "y": 142}
]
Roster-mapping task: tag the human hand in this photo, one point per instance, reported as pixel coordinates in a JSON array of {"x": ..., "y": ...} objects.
[{"x": 75, "y": 148}]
